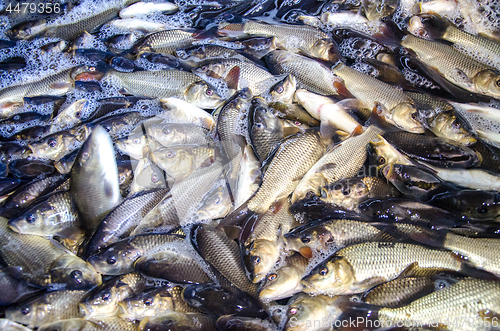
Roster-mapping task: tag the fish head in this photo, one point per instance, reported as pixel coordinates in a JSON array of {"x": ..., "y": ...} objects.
[
  {"x": 202, "y": 95},
  {"x": 51, "y": 147},
  {"x": 284, "y": 90},
  {"x": 116, "y": 259},
  {"x": 309, "y": 240},
  {"x": 102, "y": 303},
  {"x": 7, "y": 108},
  {"x": 281, "y": 284},
  {"x": 488, "y": 82},
  {"x": 324, "y": 49},
  {"x": 405, "y": 116},
  {"x": 73, "y": 273},
  {"x": 480, "y": 204},
  {"x": 453, "y": 128},
  {"x": 382, "y": 153},
  {"x": 30, "y": 222},
  {"x": 137, "y": 146},
  {"x": 260, "y": 257},
  {"x": 26, "y": 30},
  {"x": 302, "y": 310},
  {"x": 150, "y": 303},
  {"x": 216, "y": 204},
  {"x": 334, "y": 277}
]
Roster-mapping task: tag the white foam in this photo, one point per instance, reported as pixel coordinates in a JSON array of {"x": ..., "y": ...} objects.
[{"x": 358, "y": 48}]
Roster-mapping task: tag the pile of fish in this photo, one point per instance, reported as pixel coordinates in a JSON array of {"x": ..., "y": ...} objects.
[{"x": 250, "y": 165}]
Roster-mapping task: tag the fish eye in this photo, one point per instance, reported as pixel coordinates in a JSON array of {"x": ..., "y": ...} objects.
[
  {"x": 25, "y": 311},
  {"x": 106, "y": 296},
  {"x": 30, "y": 219},
  {"x": 217, "y": 201},
  {"x": 414, "y": 116},
  {"x": 272, "y": 277},
  {"x": 255, "y": 259},
  {"x": 204, "y": 68},
  {"x": 166, "y": 131},
  {"x": 111, "y": 260},
  {"x": 76, "y": 273},
  {"x": 305, "y": 239},
  {"x": 92, "y": 69},
  {"x": 137, "y": 140},
  {"x": 381, "y": 160},
  {"x": 78, "y": 114},
  {"x": 455, "y": 125},
  {"x": 294, "y": 310},
  {"x": 346, "y": 191},
  {"x": 323, "y": 271},
  {"x": 170, "y": 154},
  {"x": 482, "y": 210},
  {"x": 498, "y": 83},
  {"x": 209, "y": 91},
  {"x": 280, "y": 89},
  {"x": 148, "y": 301},
  {"x": 154, "y": 178},
  {"x": 52, "y": 142}
]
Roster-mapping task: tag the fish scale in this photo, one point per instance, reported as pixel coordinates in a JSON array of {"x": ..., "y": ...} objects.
[
  {"x": 166, "y": 41},
  {"x": 460, "y": 302},
  {"x": 283, "y": 174},
  {"x": 389, "y": 260}
]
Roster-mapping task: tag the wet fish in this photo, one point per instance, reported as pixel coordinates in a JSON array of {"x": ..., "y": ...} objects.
[
  {"x": 70, "y": 116},
  {"x": 454, "y": 66},
  {"x": 187, "y": 112},
  {"x": 56, "y": 215},
  {"x": 179, "y": 321},
  {"x": 166, "y": 41},
  {"x": 40, "y": 263},
  {"x": 155, "y": 302},
  {"x": 304, "y": 312},
  {"x": 145, "y": 8},
  {"x": 310, "y": 74},
  {"x": 104, "y": 300},
  {"x": 185, "y": 85},
  {"x": 248, "y": 178},
  {"x": 343, "y": 161},
  {"x": 203, "y": 54},
  {"x": 284, "y": 90},
  {"x": 146, "y": 176},
  {"x": 351, "y": 270},
  {"x": 94, "y": 179},
  {"x": 14, "y": 290},
  {"x": 173, "y": 134},
  {"x": 471, "y": 204},
  {"x": 285, "y": 281},
  {"x": 47, "y": 308}
]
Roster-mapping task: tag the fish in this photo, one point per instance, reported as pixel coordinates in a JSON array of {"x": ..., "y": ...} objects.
[
  {"x": 133, "y": 24},
  {"x": 239, "y": 74},
  {"x": 328, "y": 112},
  {"x": 350, "y": 192},
  {"x": 305, "y": 312},
  {"x": 284, "y": 91},
  {"x": 426, "y": 310},
  {"x": 40, "y": 263},
  {"x": 309, "y": 73},
  {"x": 56, "y": 215},
  {"x": 397, "y": 108},
  {"x": 212, "y": 299},
  {"x": 382, "y": 153},
  {"x": 198, "y": 55},
  {"x": 103, "y": 324},
  {"x": 416, "y": 182},
  {"x": 120, "y": 125},
  {"x": 166, "y": 41},
  {"x": 175, "y": 265},
  {"x": 119, "y": 257},
  {"x": 180, "y": 161},
  {"x": 335, "y": 164},
  {"x": 15, "y": 290},
  {"x": 47, "y": 308},
  {"x": 31, "y": 168},
  {"x": 470, "y": 178},
  {"x": 94, "y": 184},
  {"x": 146, "y": 176},
  {"x": 306, "y": 39},
  {"x": 121, "y": 221},
  {"x": 154, "y": 302},
  {"x": 175, "y": 320},
  {"x": 285, "y": 281},
  {"x": 350, "y": 270},
  {"x": 70, "y": 116},
  {"x": 174, "y": 134},
  {"x": 265, "y": 130},
  {"x": 263, "y": 246},
  {"x": 482, "y": 120},
  {"x": 232, "y": 322},
  {"x": 223, "y": 256},
  {"x": 145, "y": 8},
  {"x": 215, "y": 204},
  {"x": 456, "y": 67},
  {"x": 436, "y": 151},
  {"x": 27, "y": 193},
  {"x": 150, "y": 84},
  {"x": 187, "y": 112},
  {"x": 59, "y": 144},
  {"x": 136, "y": 146},
  {"x": 248, "y": 177},
  {"x": 103, "y": 301},
  {"x": 322, "y": 235},
  {"x": 12, "y": 97}
]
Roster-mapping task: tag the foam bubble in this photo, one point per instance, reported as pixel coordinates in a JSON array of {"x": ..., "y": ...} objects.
[{"x": 356, "y": 48}]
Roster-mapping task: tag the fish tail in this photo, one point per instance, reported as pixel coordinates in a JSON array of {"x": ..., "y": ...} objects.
[{"x": 237, "y": 218}]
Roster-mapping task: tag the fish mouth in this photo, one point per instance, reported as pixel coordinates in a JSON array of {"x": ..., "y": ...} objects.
[{"x": 14, "y": 227}]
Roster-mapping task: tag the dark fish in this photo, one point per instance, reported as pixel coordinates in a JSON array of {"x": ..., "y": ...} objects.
[
  {"x": 123, "y": 219},
  {"x": 14, "y": 290},
  {"x": 109, "y": 105},
  {"x": 7, "y": 185},
  {"x": 178, "y": 321},
  {"x": 167, "y": 60},
  {"x": 433, "y": 150},
  {"x": 31, "y": 168},
  {"x": 120, "y": 125},
  {"x": 14, "y": 63},
  {"x": 213, "y": 299},
  {"x": 469, "y": 204}
]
